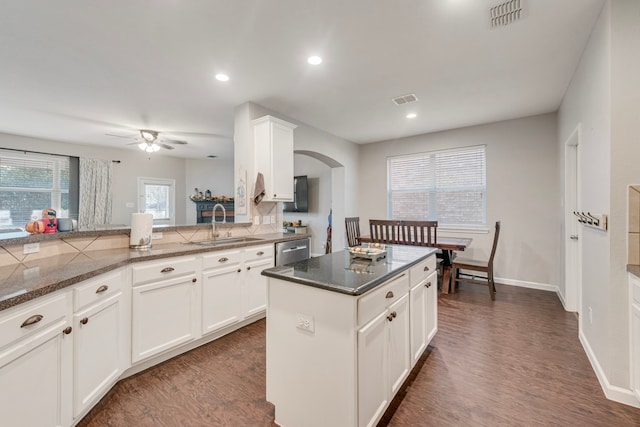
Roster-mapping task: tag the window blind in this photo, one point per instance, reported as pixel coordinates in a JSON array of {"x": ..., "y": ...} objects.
[
  {"x": 30, "y": 182},
  {"x": 445, "y": 186}
]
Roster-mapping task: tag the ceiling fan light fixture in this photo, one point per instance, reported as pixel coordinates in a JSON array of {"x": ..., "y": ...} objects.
[{"x": 149, "y": 147}]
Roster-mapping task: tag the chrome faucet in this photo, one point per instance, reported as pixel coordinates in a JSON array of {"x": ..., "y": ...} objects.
[{"x": 215, "y": 233}]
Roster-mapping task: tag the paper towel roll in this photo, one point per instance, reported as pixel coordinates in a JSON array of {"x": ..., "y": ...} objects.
[{"x": 141, "y": 230}]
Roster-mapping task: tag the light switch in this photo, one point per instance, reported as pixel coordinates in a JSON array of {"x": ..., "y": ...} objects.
[
  {"x": 266, "y": 219},
  {"x": 256, "y": 220}
]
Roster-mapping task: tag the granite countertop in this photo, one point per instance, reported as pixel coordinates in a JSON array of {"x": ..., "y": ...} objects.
[
  {"x": 339, "y": 272},
  {"x": 634, "y": 269},
  {"x": 28, "y": 280}
]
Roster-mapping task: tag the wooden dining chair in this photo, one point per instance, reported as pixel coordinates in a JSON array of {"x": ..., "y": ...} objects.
[
  {"x": 485, "y": 266},
  {"x": 385, "y": 231},
  {"x": 353, "y": 230},
  {"x": 418, "y": 233}
]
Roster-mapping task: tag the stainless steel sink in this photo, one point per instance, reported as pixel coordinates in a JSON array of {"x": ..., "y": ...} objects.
[{"x": 224, "y": 241}]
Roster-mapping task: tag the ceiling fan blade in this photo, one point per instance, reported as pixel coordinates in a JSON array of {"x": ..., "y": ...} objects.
[
  {"x": 120, "y": 136},
  {"x": 174, "y": 141},
  {"x": 166, "y": 146}
]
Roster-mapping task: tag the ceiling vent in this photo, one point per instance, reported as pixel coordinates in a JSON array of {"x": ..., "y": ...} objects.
[
  {"x": 405, "y": 99},
  {"x": 506, "y": 13}
]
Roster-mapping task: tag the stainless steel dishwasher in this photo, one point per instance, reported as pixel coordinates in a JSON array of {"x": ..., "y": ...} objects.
[{"x": 292, "y": 251}]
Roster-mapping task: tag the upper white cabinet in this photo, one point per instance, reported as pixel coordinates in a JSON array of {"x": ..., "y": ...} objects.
[{"x": 273, "y": 139}]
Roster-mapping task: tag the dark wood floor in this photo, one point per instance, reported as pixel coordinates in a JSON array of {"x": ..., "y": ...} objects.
[{"x": 514, "y": 362}]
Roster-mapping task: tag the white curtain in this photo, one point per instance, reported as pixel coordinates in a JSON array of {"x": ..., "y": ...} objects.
[{"x": 95, "y": 192}]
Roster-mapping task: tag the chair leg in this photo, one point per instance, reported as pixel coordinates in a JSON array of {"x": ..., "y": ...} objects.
[{"x": 492, "y": 286}]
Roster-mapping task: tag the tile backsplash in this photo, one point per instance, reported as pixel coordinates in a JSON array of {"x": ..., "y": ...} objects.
[{"x": 633, "y": 226}]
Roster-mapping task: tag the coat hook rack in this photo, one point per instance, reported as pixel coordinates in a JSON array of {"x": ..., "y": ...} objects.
[{"x": 601, "y": 222}]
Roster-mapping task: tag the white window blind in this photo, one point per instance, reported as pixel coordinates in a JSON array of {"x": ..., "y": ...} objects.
[
  {"x": 31, "y": 182},
  {"x": 445, "y": 186}
]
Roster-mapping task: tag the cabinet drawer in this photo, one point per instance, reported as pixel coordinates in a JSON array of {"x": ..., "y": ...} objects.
[
  {"x": 375, "y": 302},
  {"x": 164, "y": 269},
  {"x": 421, "y": 270},
  {"x": 258, "y": 252},
  {"x": 99, "y": 289},
  {"x": 33, "y": 316},
  {"x": 221, "y": 259}
]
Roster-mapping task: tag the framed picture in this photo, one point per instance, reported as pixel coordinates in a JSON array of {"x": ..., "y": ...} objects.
[{"x": 241, "y": 193}]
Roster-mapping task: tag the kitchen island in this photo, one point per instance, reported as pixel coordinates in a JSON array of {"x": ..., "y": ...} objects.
[{"x": 343, "y": 334}]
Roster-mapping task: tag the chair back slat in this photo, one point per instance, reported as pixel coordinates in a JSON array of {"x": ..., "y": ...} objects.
[
  {"x": 352, "y": 225},
  {"x": 495, "y": 242},
  {"x": 414, "y": 233}
]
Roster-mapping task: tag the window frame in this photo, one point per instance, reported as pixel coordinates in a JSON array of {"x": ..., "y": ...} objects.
[
  {"x": 171, "y": 183},
  {"x": 431, "y": 190}
]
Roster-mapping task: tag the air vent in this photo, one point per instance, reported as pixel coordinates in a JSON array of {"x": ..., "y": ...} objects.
[
  {"x": 506, "y": 13},
  {"x": 405, "y": 99}
]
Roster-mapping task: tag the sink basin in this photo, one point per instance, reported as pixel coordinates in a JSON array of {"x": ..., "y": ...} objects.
[{"x": 225, "y": 241}]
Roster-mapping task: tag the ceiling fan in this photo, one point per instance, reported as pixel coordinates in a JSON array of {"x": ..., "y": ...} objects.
[{"x": 149, "y": 142}]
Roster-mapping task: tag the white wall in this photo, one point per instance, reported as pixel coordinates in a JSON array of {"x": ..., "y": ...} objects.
[
  {"x": 319, "y": 179},
  {"x": 133, "y": 163},
  {"x": 213, "y": 174},
  {"x": 522, "y": 192},
  {"x": 604, "y": 97},
  {"x": 306, "y": 138}
]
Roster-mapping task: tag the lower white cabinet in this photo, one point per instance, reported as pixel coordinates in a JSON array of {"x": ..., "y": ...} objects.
[
  {"x": 36, "y": 363},
  {"x": 383, "y": 359},
  {"x": 424, "y": 314},
  {"x": 100, "y": 344},
  {"x": 634, "y": 320},
  {"x": 256, "y": 286},
  {"x": 165, "y": 312}
]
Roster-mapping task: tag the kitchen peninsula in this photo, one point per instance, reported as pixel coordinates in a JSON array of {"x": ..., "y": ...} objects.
[{"x": 343, "y": 334}]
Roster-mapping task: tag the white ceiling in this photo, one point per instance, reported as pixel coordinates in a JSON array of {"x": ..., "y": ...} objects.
[{"x": 73, "y": 70}]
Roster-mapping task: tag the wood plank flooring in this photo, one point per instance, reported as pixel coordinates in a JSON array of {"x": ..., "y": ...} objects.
[{"x": 513, "y": 362}]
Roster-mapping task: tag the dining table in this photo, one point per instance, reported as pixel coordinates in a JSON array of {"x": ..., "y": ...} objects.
[{"x": 447, "y": 245}]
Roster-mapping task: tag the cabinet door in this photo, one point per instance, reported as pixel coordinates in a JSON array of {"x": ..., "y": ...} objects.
[
  {"x": 164, "y": 315},
  {"x": 221, "y": 297},
  {"x": 98, "y": 351},
  {"x": 418, "y": 325},
  {"x": 399, "y": 347},
  {"x": 373, "y": 373},
  {"x": 431, "y": 287},
  {"x": 635, "y": 349},
  {"x": 256, "y": 286},
  {"x": 282, "y": 163},
  {"x": 35, "y": 379}
]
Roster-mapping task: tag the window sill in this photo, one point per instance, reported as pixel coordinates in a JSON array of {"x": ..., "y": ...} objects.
[{"x": 462, "y": 230}]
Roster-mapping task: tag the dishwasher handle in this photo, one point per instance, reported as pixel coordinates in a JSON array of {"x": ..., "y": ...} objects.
[{"x": 296, "y": 248}]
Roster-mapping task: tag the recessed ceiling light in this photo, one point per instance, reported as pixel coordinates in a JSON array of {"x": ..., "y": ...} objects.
[
  {"x": 412, "y": 116},
  {"x": 222, "y": 77},
  {"x": 314, "y": 60}
]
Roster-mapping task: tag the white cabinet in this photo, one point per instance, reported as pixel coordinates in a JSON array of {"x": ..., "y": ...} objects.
[
  {"x": 383, "y": 353},
  {"x": 221, "y": 290},
  {"x": 233, "y": 288},
  {"x": 36, "y": 362},
  {"x": 424, "y": 309},
  {"x": 100, "y": 339},
  {"x": 273, "y": 141},
  {"x": 634, "y": 319},
  {"x": 165, "y": 308}
]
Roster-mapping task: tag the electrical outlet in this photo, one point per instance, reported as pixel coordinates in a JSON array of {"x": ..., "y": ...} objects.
[
  {"x": 305, "y": 322},
  {"x": 31, "y": 248},
  {"x": 31, "y": 273},
  {"x": 156, "y": 236},
  {"x": 256, "y": 220},
  {"x": 273, "y": 219},
  {"x": 266, "y": 219},
  {"x": 129, "y": 205},
  {"x": 590, "y": 316}
]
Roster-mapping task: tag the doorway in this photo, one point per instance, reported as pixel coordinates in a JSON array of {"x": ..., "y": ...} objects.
[{"x": 571, "y": 239}]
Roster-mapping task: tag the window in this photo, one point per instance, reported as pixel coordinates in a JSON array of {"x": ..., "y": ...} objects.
[
  {"x": 157, "y": 197},
  {"x": 445, "y": 186},
  {"x": 31, "y": 182}
]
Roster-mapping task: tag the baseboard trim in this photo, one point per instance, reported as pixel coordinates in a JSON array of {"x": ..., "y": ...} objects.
[
  {"x": 611, "y": 392},
  {"x": 561, "y": 298},
  {"x": 526, "y": 284}
]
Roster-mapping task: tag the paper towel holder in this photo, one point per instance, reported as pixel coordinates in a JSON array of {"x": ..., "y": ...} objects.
[{"x": 143, "y": 243}]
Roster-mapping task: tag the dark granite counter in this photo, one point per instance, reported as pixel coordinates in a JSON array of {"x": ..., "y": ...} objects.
[
  {"x": 338, "y": 272},
  {"x": 25, "y": 281},
  {"x": 634, "y": 269}
]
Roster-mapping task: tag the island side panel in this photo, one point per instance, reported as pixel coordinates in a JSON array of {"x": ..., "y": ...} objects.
[{"x": 311, "y": 375}]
